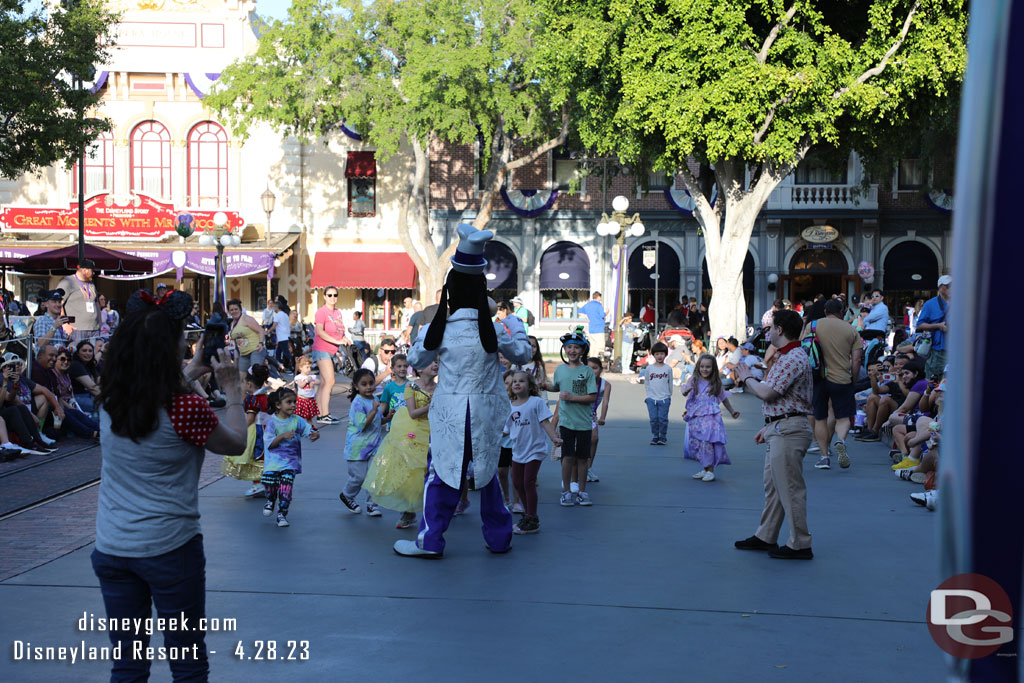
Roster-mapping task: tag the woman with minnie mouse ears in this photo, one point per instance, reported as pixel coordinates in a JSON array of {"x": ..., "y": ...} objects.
[
  {"x": 154, "y": 435},
  {"x": 470, "y": 404}
]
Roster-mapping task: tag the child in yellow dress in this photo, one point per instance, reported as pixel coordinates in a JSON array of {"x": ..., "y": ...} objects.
[
  {"x": 249, "y": 465},
  {"x": 396, "y": 475}
]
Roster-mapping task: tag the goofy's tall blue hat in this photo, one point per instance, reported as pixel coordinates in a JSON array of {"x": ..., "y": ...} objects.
[
  {"x": 469, "y": 255},
  {"x": 465, "y": 287}
]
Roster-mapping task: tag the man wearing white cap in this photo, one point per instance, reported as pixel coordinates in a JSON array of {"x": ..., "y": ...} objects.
[
  {"x": 933, "y": 319},
  {"x": 522, "y": 312}
]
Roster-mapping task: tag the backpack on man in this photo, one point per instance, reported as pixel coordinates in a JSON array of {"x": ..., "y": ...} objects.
[{"x": 812, "y": 346}]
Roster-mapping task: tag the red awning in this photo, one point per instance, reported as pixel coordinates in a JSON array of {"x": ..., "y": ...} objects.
[
  {"x": 358, "y": 270},
  {"x": 361, "y": 165}
]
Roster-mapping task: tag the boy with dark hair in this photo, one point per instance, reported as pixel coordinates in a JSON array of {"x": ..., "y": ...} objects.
[{"x": 658, "y": 381}]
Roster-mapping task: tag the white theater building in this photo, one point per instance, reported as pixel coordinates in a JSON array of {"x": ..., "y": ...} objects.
[{"x": 167, "y": 154}]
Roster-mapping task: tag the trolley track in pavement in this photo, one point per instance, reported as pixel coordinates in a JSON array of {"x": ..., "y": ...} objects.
[{"x": 35, "y": 479}]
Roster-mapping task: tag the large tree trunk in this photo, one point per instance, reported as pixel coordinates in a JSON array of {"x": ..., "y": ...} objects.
[
  {"x": 413, "y": 218},
  {"x": 727, "y": 310},
  {"x": 727, "y": 229}
]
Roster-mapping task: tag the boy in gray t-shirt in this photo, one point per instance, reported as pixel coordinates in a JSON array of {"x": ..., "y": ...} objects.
[{"x": 658, "y": 381}]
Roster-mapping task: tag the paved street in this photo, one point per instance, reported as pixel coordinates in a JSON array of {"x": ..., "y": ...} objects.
[{"x": 645, "y": 584}]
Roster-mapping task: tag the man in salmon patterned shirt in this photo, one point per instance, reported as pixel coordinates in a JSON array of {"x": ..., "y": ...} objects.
[{"x": 786, "y": 396}]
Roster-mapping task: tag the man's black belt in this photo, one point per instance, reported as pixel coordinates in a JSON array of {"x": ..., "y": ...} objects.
[{"x": 776, "y": 418}]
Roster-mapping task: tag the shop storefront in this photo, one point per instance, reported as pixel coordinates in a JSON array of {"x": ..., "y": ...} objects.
[
  {"x": 143, "y": 226},
  {"x": 374, "y": 283},
  {"x": 646, "y": 261},
  {"x": 911, "y": 273},
  {"x": 564, "y": 281}
]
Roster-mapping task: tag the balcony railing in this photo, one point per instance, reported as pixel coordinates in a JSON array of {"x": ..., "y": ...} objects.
[{"x": 795, "y": 197}]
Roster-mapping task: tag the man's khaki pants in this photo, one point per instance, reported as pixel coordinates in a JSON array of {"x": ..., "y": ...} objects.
[
  {"x": 596, "y": 343},
  {"x": 785, "y": 495}
]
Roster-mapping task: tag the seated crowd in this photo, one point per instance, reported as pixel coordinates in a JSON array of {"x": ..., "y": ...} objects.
[
  {"x": 56, "y": 399},
  {"x": 896, "y": 369}
]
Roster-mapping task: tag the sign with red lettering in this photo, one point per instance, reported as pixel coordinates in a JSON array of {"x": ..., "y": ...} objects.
[{"x": 137, "y": 217}]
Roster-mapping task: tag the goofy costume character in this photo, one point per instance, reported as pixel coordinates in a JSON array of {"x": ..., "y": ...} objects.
[{"x": 470, "y": 404}]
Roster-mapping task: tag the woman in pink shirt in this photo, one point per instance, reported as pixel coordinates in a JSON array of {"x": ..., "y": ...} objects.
[{"x": 330, "y": 333}]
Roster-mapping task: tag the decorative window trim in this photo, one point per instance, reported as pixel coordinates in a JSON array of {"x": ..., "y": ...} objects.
[
  {"x": 897, "y": 181},
  {"x": 361, "y": 214},
  {"x": 193, "y": 188},
  {"x": 553, "y": 158},
  {"x": 106, "y": 162},
  {"x": 166, "y": 170}
]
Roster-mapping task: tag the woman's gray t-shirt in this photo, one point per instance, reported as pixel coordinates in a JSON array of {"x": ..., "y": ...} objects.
[{"x": 149, "y": 491}]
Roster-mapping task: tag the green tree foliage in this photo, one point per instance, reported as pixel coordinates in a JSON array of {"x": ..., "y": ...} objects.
[
  {"x": 458, "y": 71},
  {"x": 41, "y": 112},
  {"x": 753, "y": 85}
]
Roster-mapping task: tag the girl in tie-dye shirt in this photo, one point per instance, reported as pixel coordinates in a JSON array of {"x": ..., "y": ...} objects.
[
  {"x": 365, "y": 432},
  {"x": 283, "y": 452}
]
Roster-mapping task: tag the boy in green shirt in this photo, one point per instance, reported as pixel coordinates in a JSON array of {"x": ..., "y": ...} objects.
[
  {"x": 393, "y": 396},
  {"x": 577, "y": 390}
]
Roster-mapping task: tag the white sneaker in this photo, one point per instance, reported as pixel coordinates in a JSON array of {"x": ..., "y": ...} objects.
[
  {"x": 255, "y": 490},
  {"x": 708, "y": 476},
  {"x": 282, "y": 520},
  {"x": 567, "y": 499},
  {"x": 814, "y": 447},
  {"x": 373, "y": 510},
  {"x": 15, "y": 447},
  {"x": 268, "y": 509},
  {"x": 699, "y": 474},
  {"x": 927, "y": 498},
  {"x": 46, "y": 440}
]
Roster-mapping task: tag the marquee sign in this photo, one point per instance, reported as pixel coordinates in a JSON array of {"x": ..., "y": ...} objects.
[
  {"x": 135, "y": 217},
  {"x": 820, "y": 234}
]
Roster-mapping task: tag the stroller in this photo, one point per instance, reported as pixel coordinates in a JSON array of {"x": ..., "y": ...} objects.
[{"x": 347, "y": 360}]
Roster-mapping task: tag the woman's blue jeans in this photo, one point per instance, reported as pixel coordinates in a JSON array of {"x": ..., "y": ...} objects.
[
  {"x": 176, "y": 583},
  {"x": 78, "y": 423},
  {"x": 86, "y": 402}
]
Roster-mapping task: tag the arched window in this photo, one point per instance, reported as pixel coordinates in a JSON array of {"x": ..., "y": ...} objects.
[
  {"x": 502, "y": 271},
  {"x": 151, "y": 159},
  {"x": 207, "y": 166},
  {"x": 910, "y": 272},
  {"x": 564, "y": 281},
  {"x": 640, "y": 278},
  {"x": 99, "y": 167}
]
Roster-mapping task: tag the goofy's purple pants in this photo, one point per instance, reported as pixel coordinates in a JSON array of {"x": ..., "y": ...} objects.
[{"x": 440, "y": 500}]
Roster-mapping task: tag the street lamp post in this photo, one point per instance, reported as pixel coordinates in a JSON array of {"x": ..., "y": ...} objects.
[
  {"x": 81, "y": 182},
  {"x": 621, "y": 226},
  {"x": 221, "y": 236},
  {"x": 78, "y": 83},
  {"x": 268, "y": 199}
]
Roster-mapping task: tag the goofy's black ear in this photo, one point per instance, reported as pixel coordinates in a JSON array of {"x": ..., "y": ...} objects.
[
  {"x": 435, "y": 332},
  {"x": 488, "y": 338}
]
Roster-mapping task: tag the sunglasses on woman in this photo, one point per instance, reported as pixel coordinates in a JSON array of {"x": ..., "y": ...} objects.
[{"x": 331, "y": 296}]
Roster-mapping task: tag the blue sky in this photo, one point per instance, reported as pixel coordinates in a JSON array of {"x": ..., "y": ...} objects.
[{"x": 278, "y": 9}]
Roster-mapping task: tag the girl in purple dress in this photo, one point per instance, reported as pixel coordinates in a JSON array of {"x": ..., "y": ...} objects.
[{"x": 705, "y": 441}]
